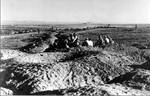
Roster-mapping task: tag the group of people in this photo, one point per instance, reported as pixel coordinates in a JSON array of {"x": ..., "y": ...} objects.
[
  {"x": 102, "y": 41},
  {"x": 64, "y": 41}
]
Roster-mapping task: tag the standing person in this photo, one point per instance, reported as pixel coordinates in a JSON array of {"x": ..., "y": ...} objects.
[
  {"x": 75, "y": 37},
  {"x": 73, "y": 40}
]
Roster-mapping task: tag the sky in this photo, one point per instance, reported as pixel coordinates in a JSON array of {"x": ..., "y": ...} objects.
[{"x": 96, "y": 11}]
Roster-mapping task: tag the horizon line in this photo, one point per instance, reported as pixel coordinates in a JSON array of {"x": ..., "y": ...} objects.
[{"x": 58, "y": 22}]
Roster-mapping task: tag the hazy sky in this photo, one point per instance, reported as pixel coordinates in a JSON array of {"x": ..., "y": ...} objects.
[{"x": 102, "y": 11}]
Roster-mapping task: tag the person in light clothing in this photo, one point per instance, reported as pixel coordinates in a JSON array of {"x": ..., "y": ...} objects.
[
  {"x": 88, "y": 42},
  {"x": 106, "y": 39}
]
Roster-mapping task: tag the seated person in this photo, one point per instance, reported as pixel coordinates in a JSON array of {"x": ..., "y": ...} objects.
[{"x": 88, "y": 42}]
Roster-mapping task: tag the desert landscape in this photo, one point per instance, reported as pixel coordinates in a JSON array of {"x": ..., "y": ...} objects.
[
  {"x": 122, "y": 68},
  {"x": 75, "y": 47}
]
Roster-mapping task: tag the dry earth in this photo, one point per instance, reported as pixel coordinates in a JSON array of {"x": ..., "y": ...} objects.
[
  {"x": 82, "y": 71},
  {"x": 115, "y": 70}
]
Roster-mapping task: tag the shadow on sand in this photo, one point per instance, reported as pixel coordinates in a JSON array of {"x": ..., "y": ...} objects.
[{"x": 145, "y": 65}]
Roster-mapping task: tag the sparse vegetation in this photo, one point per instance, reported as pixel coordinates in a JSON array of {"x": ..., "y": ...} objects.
[{"x": 117, "y": 68}]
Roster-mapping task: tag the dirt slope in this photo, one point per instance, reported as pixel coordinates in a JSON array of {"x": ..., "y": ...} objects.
[{"x": 58, "y": 72}]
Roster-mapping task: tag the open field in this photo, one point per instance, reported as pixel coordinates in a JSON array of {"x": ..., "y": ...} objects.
[
  {"x": 122, "y": 34},
  {"x": 15, "y": 40},
  {"x": 115, "y": 70}
]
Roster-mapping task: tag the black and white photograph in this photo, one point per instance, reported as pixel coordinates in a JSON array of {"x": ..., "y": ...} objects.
[{"x": 75, "y": 47}]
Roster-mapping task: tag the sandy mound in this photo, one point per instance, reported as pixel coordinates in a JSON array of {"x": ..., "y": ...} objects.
[
  {"x": 40, "y": 44},
  {"x": 5, "y": 92},
  {"x": 8, "y": 54},
  {"x": 113, "y": 89},
  {"x": 22, "y": 57},
  {"x": 40, "y": 58},
  {"x": 57, "y": 72},
  {"x": 137, "y": 79},
  {"x": 34, "y": 48}
]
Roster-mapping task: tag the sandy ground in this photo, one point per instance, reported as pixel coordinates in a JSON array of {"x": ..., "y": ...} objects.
[
  {"x": 116, "y": 90},
  {"x": 50, "y": 57},
  {"x": 14, "y": 35},
  {"x": 8, "y": 54},
  {"x": 22, "y": 57},
  {"x": 6, "y": 36}
]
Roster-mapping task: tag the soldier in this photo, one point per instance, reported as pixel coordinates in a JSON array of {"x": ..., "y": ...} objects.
[
  {"x": 73, "y": 40},
  {"x": 110, "y": 40},
  {"x": 85, "y": 42},
  {"x": 100, "y": 42},
  {"x": 88, "y": 42},
  {"x": 106, "y": 39},
  {"x": 66, "y": 43},
  {"x": 62, "y": 41},
  {"x": 55, "y": 44}
]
